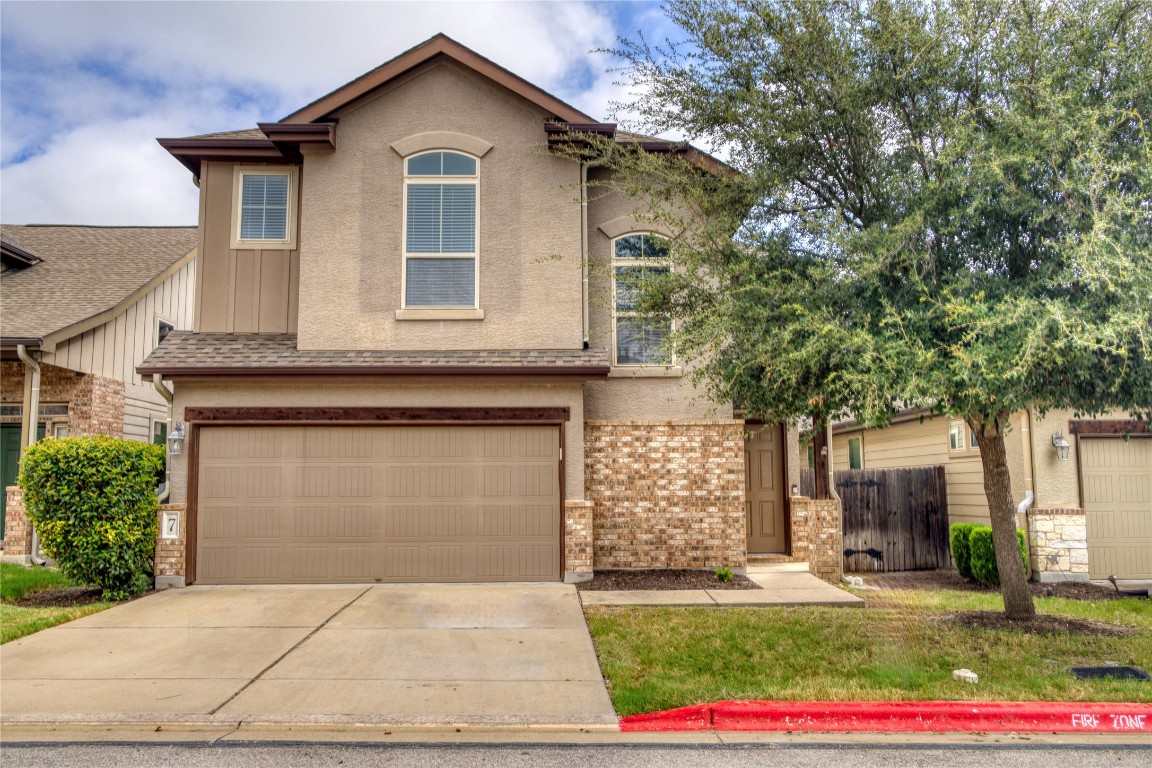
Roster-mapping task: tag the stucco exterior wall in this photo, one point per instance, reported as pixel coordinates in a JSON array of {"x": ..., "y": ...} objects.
[
  {"x": 631, "y": 392},
  {"x": 471, "y": 392},
  {"x": 351, "y": 225}
]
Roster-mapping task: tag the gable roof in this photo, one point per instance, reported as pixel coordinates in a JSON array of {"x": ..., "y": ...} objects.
[
  {"x": 439, "y": 45},
  {"x": 82, "y": 272}
]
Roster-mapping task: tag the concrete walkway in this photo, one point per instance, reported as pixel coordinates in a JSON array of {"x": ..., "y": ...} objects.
[
  {"x": 785, "y": 584},
  {"x": 469, "y": 655}
]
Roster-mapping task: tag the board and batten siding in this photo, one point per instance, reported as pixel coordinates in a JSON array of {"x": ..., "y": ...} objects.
[
  {"x": 924, "y": 443},
  {"x": 240, "y": 291},
  {"x": 114, "y": 349}
]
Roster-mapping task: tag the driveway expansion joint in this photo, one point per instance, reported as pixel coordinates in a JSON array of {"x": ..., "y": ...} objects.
[{"x": 286, "y": 653}]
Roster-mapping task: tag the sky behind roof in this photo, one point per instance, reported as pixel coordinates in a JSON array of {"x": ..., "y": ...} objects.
[{"x": 87, "y": 87}]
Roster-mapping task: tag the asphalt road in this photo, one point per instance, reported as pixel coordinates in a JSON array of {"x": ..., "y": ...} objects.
[{"x": 521, "y": 756}]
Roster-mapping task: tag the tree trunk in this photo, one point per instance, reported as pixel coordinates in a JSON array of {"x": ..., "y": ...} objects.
[
  {"x": 998, "y": 490},
  {"x": 821, "y": 457}
]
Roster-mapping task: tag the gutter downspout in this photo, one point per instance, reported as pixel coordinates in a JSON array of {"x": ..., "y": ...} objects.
[
  {"x": 31, "y": 422},
  {"x": 167, "y": 394},
  {"x": 1029, "y": 496},
  {"x": 832, "y": 473},
  {"x": 584, "y": 247}
]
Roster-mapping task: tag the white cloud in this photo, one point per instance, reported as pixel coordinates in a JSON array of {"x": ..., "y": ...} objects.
[{"x": 88, "y": 86}]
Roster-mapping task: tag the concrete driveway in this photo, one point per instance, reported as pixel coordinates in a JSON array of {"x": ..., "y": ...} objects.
[{"x": 516, "y": 654}]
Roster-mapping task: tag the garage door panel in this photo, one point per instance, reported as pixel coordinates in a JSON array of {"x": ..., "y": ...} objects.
[
  {"x": 1117, "y": 482},
  {"x": 313, "y": 504}
]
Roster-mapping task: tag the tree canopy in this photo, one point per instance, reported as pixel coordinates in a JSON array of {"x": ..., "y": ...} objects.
[{"x": 945, "y": 203}]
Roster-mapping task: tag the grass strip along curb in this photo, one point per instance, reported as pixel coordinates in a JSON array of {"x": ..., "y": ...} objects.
[{"x": 902, "y": 716}]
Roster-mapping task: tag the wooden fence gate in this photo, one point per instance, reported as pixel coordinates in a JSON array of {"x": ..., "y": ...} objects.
[{"x": 894, "y": 519}]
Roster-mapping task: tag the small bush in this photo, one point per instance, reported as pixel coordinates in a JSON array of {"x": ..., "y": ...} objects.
[
  {"x": 961, "y": 554},
  {"x": 724, "y": 574},
  {"x": 983, "y": 554},
  {"x": 93, "y": 502}
]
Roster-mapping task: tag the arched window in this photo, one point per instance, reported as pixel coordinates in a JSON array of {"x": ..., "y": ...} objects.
[
  {"x": 637, "y": 340},
  {"x": 440, "y": 235}
]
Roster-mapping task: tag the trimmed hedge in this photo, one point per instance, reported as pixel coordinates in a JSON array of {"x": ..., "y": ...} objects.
[
  {"x": 983, "y": 554},
  {"x": 93, "y": 502},
  {"x": 961, "y": 553}
]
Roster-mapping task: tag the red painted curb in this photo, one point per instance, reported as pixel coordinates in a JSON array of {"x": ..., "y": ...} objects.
[{"x": 914, "y": 716}]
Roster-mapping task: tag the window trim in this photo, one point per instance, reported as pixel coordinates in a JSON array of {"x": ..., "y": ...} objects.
[
  {"x": 238, "y": 174},
  {"x": 956, "y": 428},
  {"x": 624, "y": 369},
  {"x": 447, "y": 312},
  {"x": 859, "y": 452}
]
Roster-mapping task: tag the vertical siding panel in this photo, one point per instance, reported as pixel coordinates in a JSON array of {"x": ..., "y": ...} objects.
[
  {"x": 118, "y": 333},
  {"x": 246, "y": 298},
  {"x": 98, "y": 350},
  {"x": 217, "y": 259},
  {"x": 129, "y": 345},
  {"x": 275, "y": 279},
  {"x": 109, "y": 354}
]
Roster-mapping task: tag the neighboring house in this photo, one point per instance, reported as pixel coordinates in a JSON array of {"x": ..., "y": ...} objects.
[
  {"x": 87, "y": 305},
  {"x": 402, "y": 368},
  {"x": 1091, "y": 514}
]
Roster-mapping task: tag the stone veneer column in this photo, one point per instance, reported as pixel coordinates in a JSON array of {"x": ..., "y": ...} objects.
[
  {"x": 667, "y": 494},
  {"x": 17, "y": 529},
  {"x": 577, "y": 541},
  {"x": 171, "y": 554},
  {"x": 1058, "y": 543}
]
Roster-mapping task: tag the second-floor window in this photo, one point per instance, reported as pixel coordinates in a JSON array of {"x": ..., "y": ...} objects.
[
  {"x": 265, "y": 207},
  {"x": 637, "y": 340},
  {"x": 440, "y": 234}
]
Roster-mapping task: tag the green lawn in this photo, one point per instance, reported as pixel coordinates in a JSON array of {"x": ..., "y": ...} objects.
[
  {"x": 895, "y": 649},
  {"x": 17, "y": 621}
]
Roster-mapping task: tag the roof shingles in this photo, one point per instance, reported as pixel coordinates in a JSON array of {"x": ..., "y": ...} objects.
[
  {"x": 184, "y": 352},
  {"x": 85, "y": 271}
]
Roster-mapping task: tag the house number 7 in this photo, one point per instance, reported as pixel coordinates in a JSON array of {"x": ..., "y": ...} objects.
[{"x": 170, "y": 526}]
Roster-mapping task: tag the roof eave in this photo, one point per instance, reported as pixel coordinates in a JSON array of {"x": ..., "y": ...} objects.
[{"x": 173, "y": 372}]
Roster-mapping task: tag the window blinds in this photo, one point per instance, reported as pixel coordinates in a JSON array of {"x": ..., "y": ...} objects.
[{"x": 264, "y": 207}]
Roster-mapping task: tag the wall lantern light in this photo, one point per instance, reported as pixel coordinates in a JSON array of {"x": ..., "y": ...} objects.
[
  {"x": 176, "y": 440},
  {"x": 795, "y": 489},
  {"x": 1062, "y": 445}
]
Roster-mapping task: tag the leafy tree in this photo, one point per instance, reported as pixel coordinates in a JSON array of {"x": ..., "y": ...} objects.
[{"x": 944, "y": 203}]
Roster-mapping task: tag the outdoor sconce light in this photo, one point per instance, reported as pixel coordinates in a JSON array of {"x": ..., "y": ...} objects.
[
  {"x": 1062, "y": 445},
  {"x": 176, "y": 440},
  {"x": 823, "y": 450},
  {"x": 795, "y": 489}
]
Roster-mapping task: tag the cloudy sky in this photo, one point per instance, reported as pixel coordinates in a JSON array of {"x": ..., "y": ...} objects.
[{"x": 86, "y": 88}]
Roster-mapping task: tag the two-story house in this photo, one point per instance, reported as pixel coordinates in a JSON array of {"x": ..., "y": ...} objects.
[{"x": 403, "y": 367}]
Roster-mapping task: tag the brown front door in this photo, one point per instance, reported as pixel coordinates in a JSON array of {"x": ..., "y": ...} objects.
[{"x": 764, "y": 493}]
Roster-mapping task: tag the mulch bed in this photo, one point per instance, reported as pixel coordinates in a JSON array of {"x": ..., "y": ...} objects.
[
  {"x": 1040, "y": 624},
  {"x": 950, "y": 579},
  {"x": 64, "y": 597},
  {"x": 673, "y": 578}
]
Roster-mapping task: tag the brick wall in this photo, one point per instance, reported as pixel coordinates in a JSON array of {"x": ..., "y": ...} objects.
[
  {"x": 825, "y": 543},
  {"x": 95, "y": 403},
  {"x": 170, "y": 560},
  {"x": 577, "y": 541},
  {"x": 1058, "y": 540},
  {"x": 97, "y": 407},
  {"x": 17, "y": 530},
  {"x": 666, "y": 494}
]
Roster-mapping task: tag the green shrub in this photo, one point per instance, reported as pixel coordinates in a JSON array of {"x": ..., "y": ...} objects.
[
  {"x": 983, "y": 554},
  {"x": 961, "y": 554},
  {"x": 724, "y": 574},
  {"x": 93, "y": 502}
]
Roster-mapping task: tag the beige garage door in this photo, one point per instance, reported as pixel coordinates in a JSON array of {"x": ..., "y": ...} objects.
[
  {"x": 1117, "y": 481},
  {"x": 377, "y": 504}
]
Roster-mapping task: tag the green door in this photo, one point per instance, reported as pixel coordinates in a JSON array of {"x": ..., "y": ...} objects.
[{"x": 10, "y": 460}]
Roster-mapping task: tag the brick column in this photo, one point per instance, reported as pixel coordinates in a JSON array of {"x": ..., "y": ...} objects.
[
  {"x": 17, "y": 529},
  {"x": 1058, "y": 540},
  {"x": 97, "y": 407},
  {"x": 171, "y": 553},
  {"x": 577, "y": 541},
  {"x": 825, "y": 540}
]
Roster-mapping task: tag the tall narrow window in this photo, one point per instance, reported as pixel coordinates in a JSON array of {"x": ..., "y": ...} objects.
[
  {"x": 855, "y": 454},
  {"x": 638, "y": 340},
  {"x": 440, "y": 235},
  {"x": 956, "y": 436}
]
